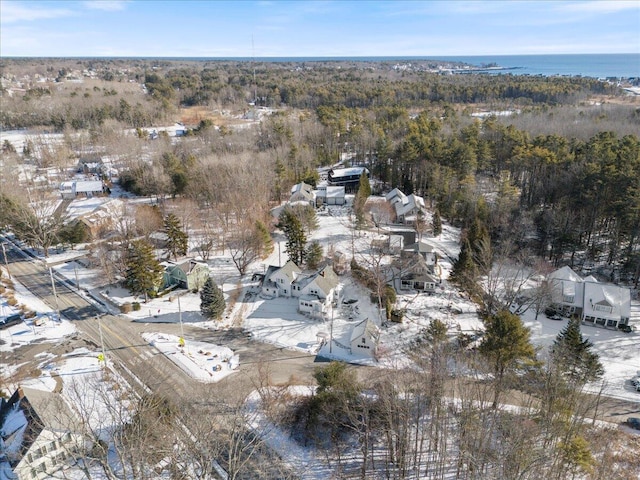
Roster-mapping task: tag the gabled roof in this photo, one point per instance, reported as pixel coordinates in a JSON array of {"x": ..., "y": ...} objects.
[
  {"x": 325, "y": 279},
  {"x": 290, "y": 270},
  {"x": 420, "y": 247},
  {"x": 302, "y": 190},
  {"x": 366, "y": 328},
  {"x": 565, "y": 273}
]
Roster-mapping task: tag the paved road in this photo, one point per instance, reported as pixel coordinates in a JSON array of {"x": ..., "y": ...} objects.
[{"x": 125, "y": 346}]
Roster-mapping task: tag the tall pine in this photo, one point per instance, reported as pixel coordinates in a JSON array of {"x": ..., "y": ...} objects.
[
  {"x": 212, "y": 302},
  {"x": 143, "y": 274},
  {"x": 177, "y": 239},
  {"x": 293, "y": 229},
  {"x": 574, "y": 356}
]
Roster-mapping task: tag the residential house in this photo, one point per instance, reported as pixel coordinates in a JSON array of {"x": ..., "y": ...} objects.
[
  {"x": 277, "y": 280},
  {"x": 328, "y": 195},
  {"x": 102, "y": 218},
  {"x": 301, "y": 192},
  {"x": 595, "y": 303},
  {"x": 38, "y": 434},
  {"x": 316, "y": 291},
  {"x": 87, "y": 188},
  {"x": 425, "y": 250},
  {"x": 188, "y": 273},
  {"x": 340, "y": 262},
  {"x": 388, "y": 244},
  {"x": 414, "y": 273},
  {"x": 349, "y": 178},
  {"x": 407, "y": 207},
  {"x": 364, "y": 339}
]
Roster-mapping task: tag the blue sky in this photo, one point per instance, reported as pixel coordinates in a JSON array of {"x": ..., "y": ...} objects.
[{"x": 316, "y": 28}]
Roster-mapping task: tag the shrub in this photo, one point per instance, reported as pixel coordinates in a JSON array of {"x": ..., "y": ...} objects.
[
  {"x": 125, "y": 307},
  {"x": 29, "y": 314},
  {"x": 11, "y": 300},
  {"x": 136, "y": 306}
]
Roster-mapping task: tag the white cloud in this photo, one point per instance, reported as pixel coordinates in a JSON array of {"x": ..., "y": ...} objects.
[
  {"x": 598, "y": 6},
  {"x": 106, "y": 5},
  {"x": 12, "y": 12}
]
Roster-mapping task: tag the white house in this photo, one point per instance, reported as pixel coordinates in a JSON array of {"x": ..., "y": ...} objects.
[
  {"x": 316, "y": 291},
  {"x": 606, "y": 305},
  {"x": 407, "y": 207},
  {"x": 415, "y": 273},
  {"x": 301, "y": 192},
  {"x": 364, "y": 338},
  {"x": 594, "y": 302},
  {"x": 36, "y": 434},
  {"x": 277, "y": 280},
  {"x": 88, "y": 188}
]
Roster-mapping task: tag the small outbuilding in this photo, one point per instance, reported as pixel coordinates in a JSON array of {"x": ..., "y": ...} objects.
[{"x": 364, "y": 338}]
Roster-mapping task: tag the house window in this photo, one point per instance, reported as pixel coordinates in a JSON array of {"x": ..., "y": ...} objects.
[
  {"x": 603, "y": 308},
  {"x": 568, "y": 298},
  {"x": 364, "y": 340}
]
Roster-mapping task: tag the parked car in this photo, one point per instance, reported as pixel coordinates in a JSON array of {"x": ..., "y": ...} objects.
[
  {"x": 555, "y": 316},
  {"x": 10, "y": 320},
  {"x": 626, "y": 328},
  {"x": 634, "y": 422},
  {"x": 635, "y": 381},
  {"x": 549, "y": 312}
]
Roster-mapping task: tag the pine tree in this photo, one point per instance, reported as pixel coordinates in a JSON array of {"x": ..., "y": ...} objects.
[
  {"x": 464, "y": 270},
  {"x": 436, "y": 223},
  {"x": 506, "y": 343},
  {"x": 177, "y": 239},
  {"x": 573, "y": 355},
  {"x": 143, "y": 275},
  {"x": 296, "y": 238},
  {"x": 212, "y": 302},
  {"x": 314, "y": 255},
  {"x": 364, "y": 192},
  {"x": 265, "y": 238}
]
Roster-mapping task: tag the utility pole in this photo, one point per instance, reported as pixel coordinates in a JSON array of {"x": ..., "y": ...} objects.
[
  {"x": 4, "y": 253},
  {"x": 102, "y": 355},
  {"x": 55, "y": 294}
]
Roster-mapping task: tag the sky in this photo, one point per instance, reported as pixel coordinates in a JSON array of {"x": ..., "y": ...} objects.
[{"x": 279, "y": 28}]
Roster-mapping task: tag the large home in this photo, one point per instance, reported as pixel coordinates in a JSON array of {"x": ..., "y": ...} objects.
[
  {"x": 364, "y": 339},
  {"x": 38, "y": 434},
  {"x": 277, "y": 280},
  {"x": 425, "y": 250},
  {"x": 316, "y": 291},
  {"x": 188, "y": 273},
  {"x": 390, "y": 244},
  {"x": 101, "y": 219},
  {"x": 414, "y": 273},
  {"x": 327, "y": 195},
  {"x": 595, "y": 303},
  {"x": 87, "y": 188},
  {"x": 349, "y": 178},
  {"x": 301, "y": 192},
  {"x": 407, "y": 207}
]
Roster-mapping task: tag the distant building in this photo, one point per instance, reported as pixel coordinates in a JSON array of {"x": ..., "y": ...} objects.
[
  {"x": 301, "y": 192},
  {"x": 327, "y": 195},
  {"x": 87, "y": 188},
  {"x": 349, "y": 178}
]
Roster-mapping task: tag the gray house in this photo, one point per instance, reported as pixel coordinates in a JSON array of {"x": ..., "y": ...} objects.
[{"x": 188, "y": 274}]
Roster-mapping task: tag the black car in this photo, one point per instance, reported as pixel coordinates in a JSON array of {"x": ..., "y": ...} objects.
[
  {"x": 634, "y": 422},
  {"x": 9, "y": 321},
  {"x": 625, "y": 328},
  {"x": 549, "y": 312}
]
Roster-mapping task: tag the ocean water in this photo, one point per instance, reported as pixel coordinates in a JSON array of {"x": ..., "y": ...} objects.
[{"x": 624, "y": 65}]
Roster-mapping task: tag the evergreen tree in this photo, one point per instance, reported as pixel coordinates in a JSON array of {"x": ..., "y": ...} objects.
[
  {"x": 574, "y": 356},
  {"x": 265, "y": 238},
  {"x": 464, "y": 270},
  {"x": 296, "y": 237},
  {"x": 143, "y": 275},
  {"x": 177, "y": 239},
  {"x": 436, "y": 223},
  {"x": 506, "y": 343},
  {"x": 314, "y": 255},
  {"x": 212, "y": 302},
  {"x": 364, "y": 192}
]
